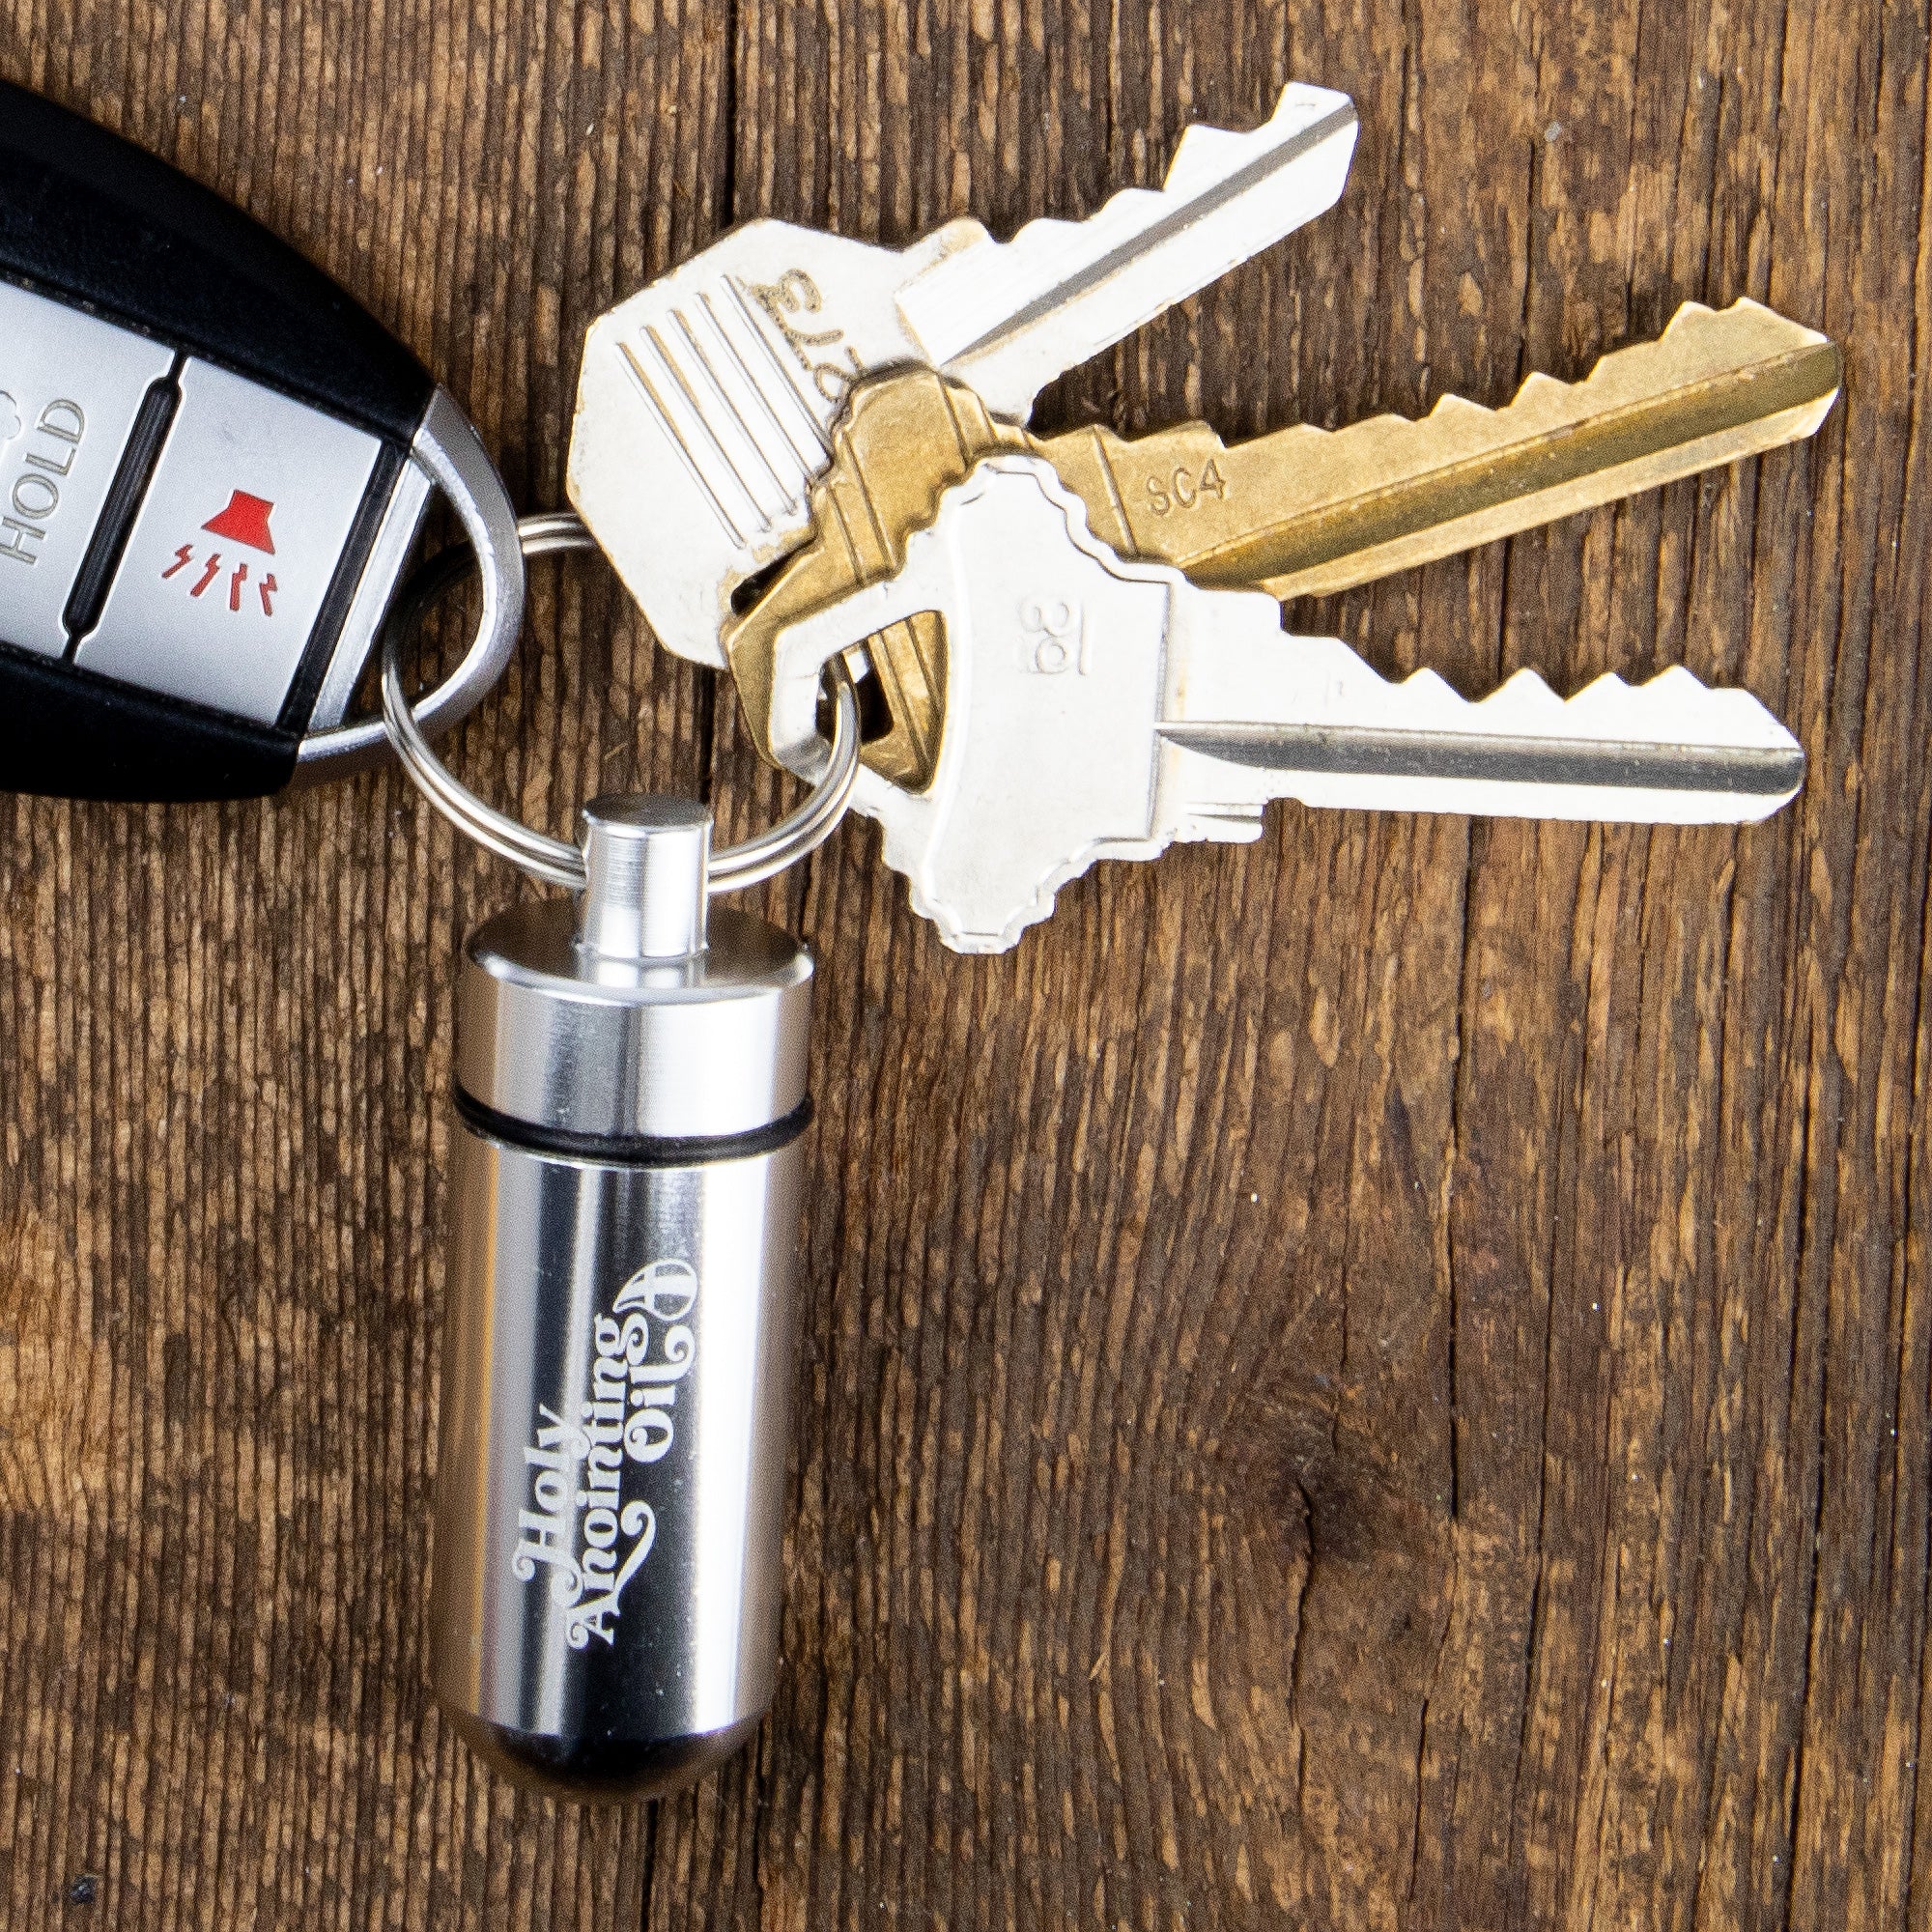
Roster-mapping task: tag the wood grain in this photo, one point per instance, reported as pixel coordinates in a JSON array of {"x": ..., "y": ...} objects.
[{"x": 1383, "y": 1379}]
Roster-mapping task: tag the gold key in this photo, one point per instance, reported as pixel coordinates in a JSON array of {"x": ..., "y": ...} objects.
[{"x": 1302, "y": 512}]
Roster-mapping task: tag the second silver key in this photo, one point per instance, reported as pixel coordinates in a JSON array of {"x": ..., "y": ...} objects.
[{"x": 708, "y": 402}]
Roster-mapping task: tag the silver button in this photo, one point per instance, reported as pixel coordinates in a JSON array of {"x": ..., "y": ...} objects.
[
  {"x": 235, "y": 548},
  {"x": 71, "y": 388}
]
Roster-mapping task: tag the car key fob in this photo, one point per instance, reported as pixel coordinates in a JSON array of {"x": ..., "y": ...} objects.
[{"x": 212, "y": 467}]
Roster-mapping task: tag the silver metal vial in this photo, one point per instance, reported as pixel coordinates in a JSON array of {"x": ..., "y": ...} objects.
[{"x": 631, "y": 1092}]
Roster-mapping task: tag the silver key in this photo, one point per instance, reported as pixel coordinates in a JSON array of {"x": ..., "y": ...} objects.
[
  {"x": 708, "y": 402},
  {"x": 1098, "y": 708}
]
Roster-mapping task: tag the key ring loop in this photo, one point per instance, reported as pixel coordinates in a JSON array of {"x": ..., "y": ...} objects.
[{"x": 557, "y": 861}]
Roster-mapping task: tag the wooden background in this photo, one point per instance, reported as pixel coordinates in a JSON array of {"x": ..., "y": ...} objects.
[{"x": 1380, "y": 1381}]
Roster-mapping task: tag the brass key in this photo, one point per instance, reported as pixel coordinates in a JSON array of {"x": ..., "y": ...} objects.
[{"x": 1302, "y": 512}]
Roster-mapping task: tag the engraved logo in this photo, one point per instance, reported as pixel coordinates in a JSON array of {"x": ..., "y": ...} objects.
[
  {"x": 585, "y": 1529},
  {"x": 823, "y": 353},
  {"x": 1053, "y": 637}
]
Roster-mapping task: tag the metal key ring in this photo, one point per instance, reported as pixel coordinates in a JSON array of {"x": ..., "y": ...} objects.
[{"x": 557, "y": 861}]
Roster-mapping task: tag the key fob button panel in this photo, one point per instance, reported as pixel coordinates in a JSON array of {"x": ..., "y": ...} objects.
[
  {"x": 71, "y": 390},
  {"x": 236, "y": 548},
  {"x": 212, "y": 468}
]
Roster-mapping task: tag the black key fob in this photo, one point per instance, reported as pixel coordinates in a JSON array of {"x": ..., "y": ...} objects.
[{"x": 212, "y": 467}]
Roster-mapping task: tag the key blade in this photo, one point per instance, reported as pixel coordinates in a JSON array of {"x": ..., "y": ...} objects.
[
  {"x": 1008, "y": 319},
  {"x": 1334, "y": 734},
  {"x": 1345, "y": 508}
]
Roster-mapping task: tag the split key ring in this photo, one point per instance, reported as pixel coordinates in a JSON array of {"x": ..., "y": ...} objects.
[{"x": 557, "y": 861}]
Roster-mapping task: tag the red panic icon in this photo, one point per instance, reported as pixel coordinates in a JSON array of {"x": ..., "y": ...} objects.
[{"x": 246, "y": 522}]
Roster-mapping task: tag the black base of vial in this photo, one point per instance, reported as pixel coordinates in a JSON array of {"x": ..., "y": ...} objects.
[{"x": 601, "y": 1770}]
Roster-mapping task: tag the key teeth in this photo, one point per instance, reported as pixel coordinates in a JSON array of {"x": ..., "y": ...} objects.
[
  {"x": 1195, "y": 141},
  {"x": 1692, "y": 313},
  {"x": 1529, "y": 691},
  {"x": 1432, "y": 685},
  {"x": 1450, "y": 406},
  {"x": 1690, "y": 317},
  {"x": 1297, "y": 103}
]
